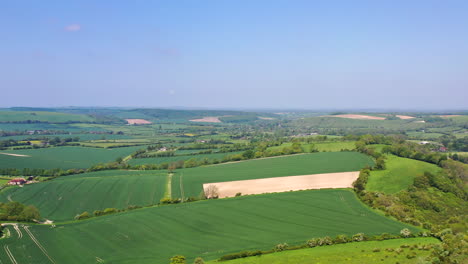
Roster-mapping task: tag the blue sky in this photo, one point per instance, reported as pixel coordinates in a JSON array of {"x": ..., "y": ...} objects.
[{"x": 235, "y": 54}]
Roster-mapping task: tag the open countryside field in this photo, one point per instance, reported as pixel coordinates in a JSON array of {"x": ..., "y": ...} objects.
[
  {"x": 352, "y": 253},
  {"x": 159, "y": 160},
  {"x": 208, "y": 229},
  {"x": 82, "y": 137},
  {"x": 321, "y": 146},
  {"x": 52, "y": 117},
  {"x": 304, "y": 164},
  {"x": 63, "y": 198},
  {"x": 398, "y": 175},
  {"x": 63, "y": 157}
]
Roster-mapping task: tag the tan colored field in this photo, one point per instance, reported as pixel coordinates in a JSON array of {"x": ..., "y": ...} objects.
[
  {"x": 284, "y": 184},
  {"x": 138, "y": 122},
  {"x": 405, "y": 117},
  {"x": 266, "y": 118},
  {"x": 208, "y": 119},
  {"x": 449, "y": 115},
  {"x": 15, "y": 155},
  {"x": 352, "y": 116}
]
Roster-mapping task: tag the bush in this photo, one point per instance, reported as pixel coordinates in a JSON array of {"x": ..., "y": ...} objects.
[
  {"x": 82, "y": 216},
  {"x": 312, "y": 242},
  {"x": 110, "y": 211},
  {"x": 405, "y": 232},
  {"x": 340, "y": 239},
  {"x": 199, "y": 260},
  {"x": 281, "y": 247},
  {"x": 178, "y": 260},
  {"x": 242, "y": 254},
  {"x": 325, "y": 241},
  {"x": 359, "y": 237},
  {"x": 238, "y": 194}
]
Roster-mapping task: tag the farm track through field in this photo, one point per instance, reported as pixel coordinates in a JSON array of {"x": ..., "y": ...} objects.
[
  {"x": 20, "y": 234},
  {"x": 33, "y": 238},
  {"x": 168, "y": 193},
  {"x": 10, "y": 255}
]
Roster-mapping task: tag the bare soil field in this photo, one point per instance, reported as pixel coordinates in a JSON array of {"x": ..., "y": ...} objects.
[
  {"x": 207, "y": 119},
  {"x": 284, "y": 184},
  {"x": 14, "y": 155},
  {"x": 449, "y": 115},
  {"x": 366, "y": 117},
  {"x": 405, "y": 117},
  {"x": 266, "y": 118},
  {"x": 138, "y": 122}
]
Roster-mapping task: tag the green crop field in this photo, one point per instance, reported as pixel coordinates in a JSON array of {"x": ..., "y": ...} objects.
[
  {"x": 52, "y": 117},
  {"x": 82, "y": 137},
  {"x": 353, "y": 253},
  {"x": 322, "y": 162},
  {"x": 159, "y": 160},
  {"x": 335, "y": 146},
  {"x": 63, "y": 198},
  {"x": 398, "y": 175},
  {"x": 63, "y": 157},
  {"x": 322, "y": 146},
  {"x": 208, "y": 229}
]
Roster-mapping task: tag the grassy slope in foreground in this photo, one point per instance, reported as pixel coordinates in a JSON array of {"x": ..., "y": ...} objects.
[
  {"x": 351, "y": 253},
  {"x": 210, "y": 228},
  {"x": 323, "y": 162},
  {"x": 398, "y": 175},
  {"x": 63, "y": 198},
  {"x": 63, "y": 157}
]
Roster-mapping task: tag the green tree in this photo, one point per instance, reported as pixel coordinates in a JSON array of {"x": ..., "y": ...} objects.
[
  {"x": 199, "y": 260},
  {"x": 178, "y": 260}
]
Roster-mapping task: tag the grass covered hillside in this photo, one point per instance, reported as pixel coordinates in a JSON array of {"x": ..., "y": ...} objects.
[
  {"x": 323, "y": 162},
  {"x": 385, "y": 252},
  {"x": 63, "y": 198},
  {"x": 62, "y": 157},
  {"x": 398, "y": 175},
  {"x": 208, "y": 229}
]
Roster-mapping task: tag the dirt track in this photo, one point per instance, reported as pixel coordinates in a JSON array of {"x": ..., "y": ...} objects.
[{"x": 284, "y": 184}]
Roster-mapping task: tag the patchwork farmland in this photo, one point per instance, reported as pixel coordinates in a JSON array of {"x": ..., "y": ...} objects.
[{"x": 110, "y": 192}]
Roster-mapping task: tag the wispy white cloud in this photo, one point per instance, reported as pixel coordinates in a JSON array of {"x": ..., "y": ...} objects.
[{"x": 73, "y": 27}]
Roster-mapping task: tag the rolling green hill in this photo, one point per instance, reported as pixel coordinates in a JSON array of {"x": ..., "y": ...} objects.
[
  {"x": 62, "y": 157},
  {"x": 398, "y": 175},
  {"x": 63, "y": 198},
  {"x": 323, "y": 162},
  {"x": 208, "y": 229}
]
